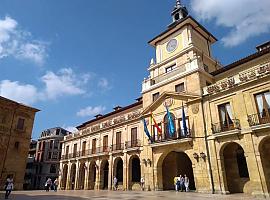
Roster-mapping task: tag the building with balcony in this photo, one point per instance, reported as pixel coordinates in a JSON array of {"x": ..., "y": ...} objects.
[
  {"x": 220, "y": 117},
  {"x": 16, "y": 124},
  {"x": 48, "y": 155}
]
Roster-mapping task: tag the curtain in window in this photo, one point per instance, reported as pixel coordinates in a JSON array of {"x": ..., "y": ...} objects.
[
  {"x": 223, "y": 114},
  {"x": 229, "y": 111},
  {"x": 259, "y": 100},
  {"x": 267, "y": 97}
]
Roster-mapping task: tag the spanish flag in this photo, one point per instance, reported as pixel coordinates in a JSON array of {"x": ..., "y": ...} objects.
[{"x": 156, "y": 125}]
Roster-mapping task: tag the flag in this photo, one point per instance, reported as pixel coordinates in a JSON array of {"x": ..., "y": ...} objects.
[
  {"x": 184, "y": 123},
  {"x": 146, "y": 130},
  {"x": 170, "y": 123},
  {"x": 156, "y": 125}
]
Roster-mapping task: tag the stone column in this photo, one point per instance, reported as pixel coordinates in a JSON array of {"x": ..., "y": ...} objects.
[
  {"x": 125, "y": 170},
  {"x": 86, "y": 184},
  {"x": 68, "y": 176},
  {"x": 97, "y": 184},
  {"x": 76, "y": 186},
  {"x": 110, "y": 175}
]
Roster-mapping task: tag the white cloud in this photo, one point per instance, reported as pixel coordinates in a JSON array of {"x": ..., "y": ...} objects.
[
  {"x": 63, "y": 83},
  {"x": 91, "y": 111},
  {"x": 104, "y": 83},
  {"x": 246, "y": 18},
  {"x": 19, "y": 44},
  {"x": 16, "y": 91}
]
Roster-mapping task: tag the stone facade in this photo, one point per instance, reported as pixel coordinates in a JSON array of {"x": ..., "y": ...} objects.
[
  {"x": 221, "y": 117},
  {"x": 16, "y": 124},
  {"x": 48, "y": 154}
]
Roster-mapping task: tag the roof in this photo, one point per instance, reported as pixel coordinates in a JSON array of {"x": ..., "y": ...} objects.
[
  {"x": 171, "y": 27},
  {"x": 241, "y": 61},
  {"x": 110, "y": 114},
  {"x": 20, "y": 104}
]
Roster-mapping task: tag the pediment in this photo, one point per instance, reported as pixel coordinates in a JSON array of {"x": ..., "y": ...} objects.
[{"x": 166, "y": 97}]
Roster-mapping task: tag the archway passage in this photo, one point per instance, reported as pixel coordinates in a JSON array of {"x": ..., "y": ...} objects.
[
  {"x": 136, "y": 169},
  {"x": 72, "y": 176},
  {"x": 105, "y": 174},
  {"x": 118, "y": 172},
  {"x": 175, "y": 164},
  {"x": 64, "y": 177},
  {"x": 235, "y": 164},
  {"x": 92, "y": 176},
  {"x": 265, "y": 152},
  {"x": 82, "y": 176}
]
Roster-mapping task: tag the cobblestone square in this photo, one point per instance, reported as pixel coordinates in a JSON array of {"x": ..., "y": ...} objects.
[{"x": 130, "y": 195}]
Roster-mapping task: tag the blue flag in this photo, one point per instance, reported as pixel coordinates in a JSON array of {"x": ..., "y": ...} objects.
[
  {"x": 146, "y": 130},
  {"x": 170, "y": 123},
  {"x": 184, "y": 123}
]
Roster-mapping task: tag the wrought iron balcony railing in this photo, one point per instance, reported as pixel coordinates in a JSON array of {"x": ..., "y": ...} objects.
[
  {"x": 259, "y": 118},
  {"x": 226, "y": 126},
  {"x": 119, "y": 146},
  {"x": 180, "y": 134},
  {"x": 133, "y": 143}
]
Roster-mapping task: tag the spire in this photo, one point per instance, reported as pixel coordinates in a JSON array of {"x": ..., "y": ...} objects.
[{"x": 179, "y": 12}]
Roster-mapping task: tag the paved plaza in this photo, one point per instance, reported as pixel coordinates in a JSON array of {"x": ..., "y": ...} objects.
[{"x": 130, "y": 195}]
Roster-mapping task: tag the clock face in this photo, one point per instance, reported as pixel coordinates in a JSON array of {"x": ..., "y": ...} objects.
[{"x": 171, "y": 46}]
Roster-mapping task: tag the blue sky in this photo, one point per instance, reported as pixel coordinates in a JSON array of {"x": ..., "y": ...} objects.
[{"x": 74, "y": 59}]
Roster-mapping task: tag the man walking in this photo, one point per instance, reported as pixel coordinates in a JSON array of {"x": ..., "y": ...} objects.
[
  {"x": 186, "y": 182},
  {"x": 115, "y": 183},
  {"x": 8, "y": 186},
  {"x": 182, "y": 183},
  {"x": 142, "y": 183},
  {"x": 55, "y": 184}
]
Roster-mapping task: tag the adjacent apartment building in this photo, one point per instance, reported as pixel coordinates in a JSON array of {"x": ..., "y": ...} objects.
[
  {"x": 16, "y": 124},
  {"x": 220, "y": 117},
  {"x": 48, "y": 154}
]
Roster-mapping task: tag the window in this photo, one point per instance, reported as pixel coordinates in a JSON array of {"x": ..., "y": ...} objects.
[
  {"x": 94, "y": 145},
  {"x": 134, "y": 137},
  {"x": 74, "y": 150},
  {"x": 55, "y": 155},
  {"x": 20, "y": 124},
  {"x": 67, "y": 150},
  {"x": 49, "y": 155},
  {"x": 16, "y": 145},
  {"x": 83, "y": 148},
  {"x": 51, "y": 144},
  {"x": 263, "y": 105},
  {"x": 105, "y": 143},
  {"x": 53, "y": 169},
  {"x": 155, "y": 96},
  {"x": 57, "y": 131},
  {"x": 225, "y": 115},
  {"x": 118, "y": 140},
  {"x": 180, "y": 87},
  {"x": 56, "y": 144},
  {"x": 169, "y": 69}
]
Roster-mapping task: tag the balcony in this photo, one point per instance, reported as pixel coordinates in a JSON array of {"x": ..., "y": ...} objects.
[
  {"x": 118, "y": 147},
  {"x": 259, "y": 118},
  {"x": 226, "y": 126},
  {"x": 133, "y": 144}
]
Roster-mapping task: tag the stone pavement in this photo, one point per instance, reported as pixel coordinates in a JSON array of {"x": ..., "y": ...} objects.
[{"x": 119, "y": 195}]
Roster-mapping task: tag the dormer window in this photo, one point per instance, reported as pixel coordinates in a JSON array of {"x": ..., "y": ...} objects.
[{"x": 155, "y": 96}]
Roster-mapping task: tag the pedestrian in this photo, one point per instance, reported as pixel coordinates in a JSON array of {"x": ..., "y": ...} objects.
[
  {"x": 186, "y": 183},
  {"x": 175, "y": 183},
  {"x": 182, "y": 183},
  {"x": 8, "y": 186},
  {"x": 115, "y": 183},
  {"x": 48, "y": 184},
  {"x": 55, "y": 184},
  {"x": 142, "y": 183}
]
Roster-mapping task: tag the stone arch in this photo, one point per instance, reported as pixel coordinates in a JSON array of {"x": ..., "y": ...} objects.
[
  {"x": 172, "y": 164},
  {"x": 234, "y": 163},
  {"x": 92, "y": 175},
  {"x": 72, "y": 176},
  {"x": 104, "y": 174},
  {"x": 118, "y": 170},
  {"x": 166, "y": 130},
  {"x": 82, "y": 176},
  {"x": 64, "y": 177},
  {"x": 134, "y": 171},
  {"x": 264, "y": 149}
]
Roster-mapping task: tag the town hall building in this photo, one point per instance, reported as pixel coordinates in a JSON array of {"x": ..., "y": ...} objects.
[{"x": 220, "y": 115}]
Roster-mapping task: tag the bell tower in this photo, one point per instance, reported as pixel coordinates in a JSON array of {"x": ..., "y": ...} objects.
[{"x": 179, "y": 12}]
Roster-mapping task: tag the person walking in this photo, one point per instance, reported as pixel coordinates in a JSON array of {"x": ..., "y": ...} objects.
[
  {"x": 115, "y": 183},
  {"x": 55, "y": 184},
  {"x": 142, "y": 183},
  {"x": 186, "y": 182},
  {"x": 8, "y": 186},
  {"x": 175, "y": 183},
  {"x": 182, "y": 183},
  {"x": 48, "y": 184}
]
